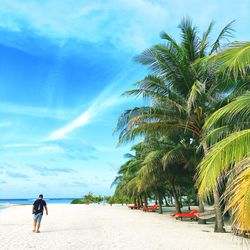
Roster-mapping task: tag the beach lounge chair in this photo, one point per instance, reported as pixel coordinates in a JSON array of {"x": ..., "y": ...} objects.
[
  {"x": 134, "y": 207},
  {"x": 191, "y": 211},
  {"x": 206, "y": 215},
  {"x": 150, "y": 208},
  {"x": 191, "y": 214}
]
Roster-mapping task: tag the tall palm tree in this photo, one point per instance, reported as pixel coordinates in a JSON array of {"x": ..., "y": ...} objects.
[
  {"x": 182, "y": 91},
  {"x": 230, "y": 153},
  {"x": 230, "y": 156}
]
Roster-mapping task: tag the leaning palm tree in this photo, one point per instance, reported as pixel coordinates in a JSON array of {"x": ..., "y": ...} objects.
[
  {"x": 230, "y": 132},
  {"x": 230, "y": 156},
  {"x": 182, "y": 91}
]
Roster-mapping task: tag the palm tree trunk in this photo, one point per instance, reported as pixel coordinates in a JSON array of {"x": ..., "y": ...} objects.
[
  {"x": 160, "y": 203},
  {"x": 176, "y": 198},
  {"x": 138, "y": 201},
  {"x": 180, "y": 200},
  {"x": 156, "y": 202},
  {"x": 166, "y": 201},
  {"x": 141, "y": 201},
  {"x": 219, "y": 224},
  {"x": 145, "y": 201},
  {"x": 201, "y": 209},
  {"x": 135, "y": 202}
]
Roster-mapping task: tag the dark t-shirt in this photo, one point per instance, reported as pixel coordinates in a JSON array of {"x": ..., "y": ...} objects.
[{"x": 39, "y": 204}]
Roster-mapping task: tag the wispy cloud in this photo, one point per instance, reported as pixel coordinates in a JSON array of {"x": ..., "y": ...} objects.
[
  {"x": 108, "y": 98},
  {"x": 85, "y": 20},
  {"x": 32, "y": 111},
  {"x": 17, "y": 175},
  {"x": 51, "y": 149},
  {"x": 50, "y": 171},
  {"x": 4, "y": 165},
  {"x": 79, "y": 184},
  {"x": 76, "y": 149},
  {"x": 21, "y": 145}
]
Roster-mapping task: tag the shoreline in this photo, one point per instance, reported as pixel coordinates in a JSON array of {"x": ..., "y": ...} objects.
[{"x": 13, "y": 205}]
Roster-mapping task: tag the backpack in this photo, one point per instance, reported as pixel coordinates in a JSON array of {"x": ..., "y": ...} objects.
[{"x": 38, "y": 206}]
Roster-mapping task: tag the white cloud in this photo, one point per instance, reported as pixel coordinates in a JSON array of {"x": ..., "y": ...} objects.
[
  {"x": 33, "y": 111},
  {"x": 51, "y": 149},
  {"x": 108, "y": 98},
  {"x": 99, "y": 105},
  {"x": 127, "y": 24},
  {"x": 21, "y": 145}
]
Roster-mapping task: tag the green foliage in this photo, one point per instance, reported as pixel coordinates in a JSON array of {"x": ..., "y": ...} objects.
[
  {"x": 234, "y": 60},
  {"x": 77, "y": 201},
  {"x": 119, "y": 199},
  {"x": 239, "y": 202},
  {"x": 220, "y": 158},
  {"x": 88, "y": 199}
]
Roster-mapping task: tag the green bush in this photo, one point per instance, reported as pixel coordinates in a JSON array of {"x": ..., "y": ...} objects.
[
  {"x": 88, "y": 199},
  {"x": 77, "y": 201}
]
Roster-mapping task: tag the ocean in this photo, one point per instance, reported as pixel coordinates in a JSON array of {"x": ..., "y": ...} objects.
[{"x": 31, "y": 200}]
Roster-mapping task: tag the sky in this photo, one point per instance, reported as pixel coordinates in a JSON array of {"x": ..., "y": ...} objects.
[{"x": 63, "y": 68}]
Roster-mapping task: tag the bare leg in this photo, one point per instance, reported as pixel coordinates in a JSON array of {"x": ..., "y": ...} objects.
[
  {"x": 35, "y": 222},
  {"x": 38, "y": 227}
]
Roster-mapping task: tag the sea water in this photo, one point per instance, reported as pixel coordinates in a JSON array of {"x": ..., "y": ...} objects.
[{"x": 31, "y": 201}]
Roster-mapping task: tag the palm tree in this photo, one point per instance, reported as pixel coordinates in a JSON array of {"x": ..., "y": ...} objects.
[
  {"x": 230, "y": 156},
  {"x": 182, "y": 91},
  {"x": 157, "y": 170},
  {"x": 166, "y": 165},
  {"x": 230, "y": 125},
  {"x": 125, "y": 181}
]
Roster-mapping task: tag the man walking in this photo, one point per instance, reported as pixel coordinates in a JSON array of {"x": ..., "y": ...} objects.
[{"x": 37, "y": 210}]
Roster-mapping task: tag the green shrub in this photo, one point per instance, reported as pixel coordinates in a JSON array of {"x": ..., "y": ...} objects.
[{"x": 77, "y": 201}]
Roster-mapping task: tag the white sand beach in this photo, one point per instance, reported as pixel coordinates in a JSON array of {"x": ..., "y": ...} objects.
[{"x": 104, "y": 227}]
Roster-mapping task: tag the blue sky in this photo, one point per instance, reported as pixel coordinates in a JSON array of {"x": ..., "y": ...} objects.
[{"x": 63, "y": 67}]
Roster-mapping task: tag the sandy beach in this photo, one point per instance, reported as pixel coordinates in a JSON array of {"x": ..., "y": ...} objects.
[{"x": 105, "y": 227}]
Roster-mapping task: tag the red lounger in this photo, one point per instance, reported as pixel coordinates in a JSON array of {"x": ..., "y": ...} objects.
[
  {"x": 191, "y": 211},
  {"x": 134, "y": 207},
  {"x": 192, "y": 215},
  {"x": 150, "y": 208}
]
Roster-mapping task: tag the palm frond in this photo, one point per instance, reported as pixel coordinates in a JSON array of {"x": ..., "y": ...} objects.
[
  {"x": 171, "y": 40},
  {"x": 171, "y": 157},
  {"x": 225, "y": 34},
  {"x": 220, "y": 158},
  {"x": 158, "y": 98},
  {"x": 235, "y": 59},
  {"x": 197, "y": 90},
  {"x": 190, "y": 40},
  {"x": 116, "y": 181},
  {"x": 216, "y": 135},
  {"x": 204, "y": 41},
  {"x": 238, "y": 197},
  {"x": 239, "y": 110}
]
